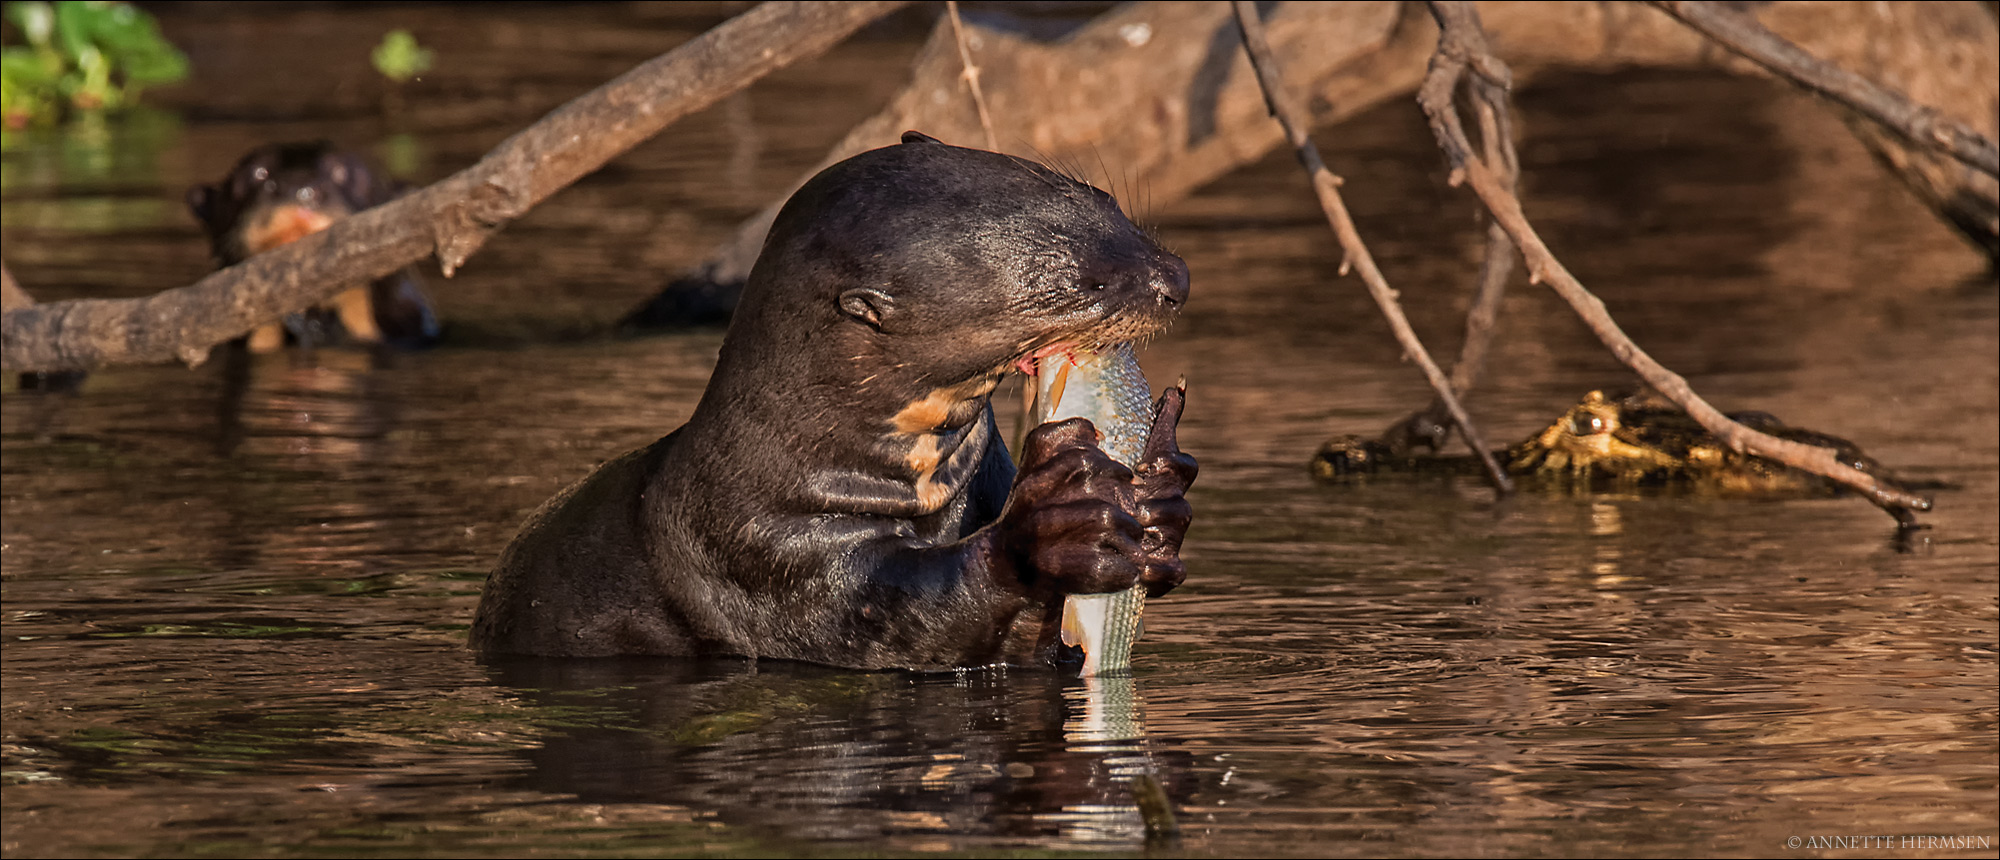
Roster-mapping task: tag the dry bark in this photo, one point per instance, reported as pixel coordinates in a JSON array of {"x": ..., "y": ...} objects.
[
  {"x": 1157, "y": 91},
  {"x": 451, "y": 218}
]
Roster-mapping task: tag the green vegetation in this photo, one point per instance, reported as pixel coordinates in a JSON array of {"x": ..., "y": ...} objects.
[
  {"x": 399, "y": 58},
  {"x": 84, "y": 57}
]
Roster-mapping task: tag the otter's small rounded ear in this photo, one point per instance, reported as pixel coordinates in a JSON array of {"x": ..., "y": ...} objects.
[
  {"x": 919, "y": 137},
  {"x": 198, "y": 200},
  {"x": 866, "y": 304}
]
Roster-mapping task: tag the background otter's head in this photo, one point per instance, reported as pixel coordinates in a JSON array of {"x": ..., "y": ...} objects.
[
  {"x": 924, "y": 264},
  {"x": 279, "y": 193}
]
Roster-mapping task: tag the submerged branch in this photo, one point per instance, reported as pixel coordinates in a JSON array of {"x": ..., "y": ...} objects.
[
  {"x": 1462, "y": 47},
  {"x": 1326, "y": 185},
  {"x": 451, "y": 218}
]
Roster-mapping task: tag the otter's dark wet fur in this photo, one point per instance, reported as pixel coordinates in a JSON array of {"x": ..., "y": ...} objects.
[{"x": 841, "y": 494}]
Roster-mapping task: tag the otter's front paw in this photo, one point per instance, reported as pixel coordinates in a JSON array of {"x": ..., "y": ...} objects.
[
  {"x": 1069, "y": 520},
  {"x": 1165, "y": 472}
]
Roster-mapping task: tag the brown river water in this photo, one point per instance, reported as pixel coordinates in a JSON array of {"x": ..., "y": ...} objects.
[{"x": 235, "y": 598}]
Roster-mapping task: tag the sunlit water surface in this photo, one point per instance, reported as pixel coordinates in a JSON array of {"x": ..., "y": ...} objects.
[{"x": 236, "y": 597}]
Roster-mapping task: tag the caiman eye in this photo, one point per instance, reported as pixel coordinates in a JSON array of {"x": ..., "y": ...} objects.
[{"x": 1586, "y": 425}]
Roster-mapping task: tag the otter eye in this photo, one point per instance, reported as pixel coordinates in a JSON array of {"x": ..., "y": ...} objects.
[
  {"x": 260, "y": 174},
  {"x": 1097, "y": 286}
]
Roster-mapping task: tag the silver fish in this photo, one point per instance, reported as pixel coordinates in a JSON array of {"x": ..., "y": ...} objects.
[{"x": 1109, "y": 389}]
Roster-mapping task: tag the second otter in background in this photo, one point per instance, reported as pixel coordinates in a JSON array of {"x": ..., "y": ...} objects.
[{"x": 281, "y": 192}]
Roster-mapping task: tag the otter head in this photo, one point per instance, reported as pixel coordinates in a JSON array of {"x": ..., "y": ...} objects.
[
  {"x": 925, "y": 266},
  {"x": 894, "y": 291},
  {"x": 279, "y": 193}
]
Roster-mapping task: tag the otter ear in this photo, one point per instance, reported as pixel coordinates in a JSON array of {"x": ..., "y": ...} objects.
[
  {"x": 199, "y": 200},
  {"x": 867, "y": 305},
  {"x": 919, "y": 137}
]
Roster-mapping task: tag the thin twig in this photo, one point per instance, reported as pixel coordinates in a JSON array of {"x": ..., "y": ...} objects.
[
  {"x": 1326, "y": 185},
  {"x": 971, "y": 75},
  {"x": 1432, "y": 426},
  {"x": 1462, "y": 46},
  {"x": 451, "y": 218},
  {"x": 1917, "y": 123},
  {"x": 1496, "y": 133}
]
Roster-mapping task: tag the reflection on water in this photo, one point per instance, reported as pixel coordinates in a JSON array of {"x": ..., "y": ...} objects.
[
  {"x": 235, "y": 596},
  {"x": 966, "y": 758}
]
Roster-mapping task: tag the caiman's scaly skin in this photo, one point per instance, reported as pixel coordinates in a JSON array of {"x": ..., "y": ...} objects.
[{"x": 1634, "y": 440}]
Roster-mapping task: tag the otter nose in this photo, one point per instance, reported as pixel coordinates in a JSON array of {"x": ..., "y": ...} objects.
[{"x": 1170, "y": 280}]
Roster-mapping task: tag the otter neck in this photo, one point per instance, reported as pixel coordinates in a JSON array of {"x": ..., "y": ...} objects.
[{"x": 866, "y": 438}]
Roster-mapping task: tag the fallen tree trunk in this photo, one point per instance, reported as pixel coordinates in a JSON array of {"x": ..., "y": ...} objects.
[
  {"x": 451, "y": 218},
  {"x": 1158, "y": 95}
]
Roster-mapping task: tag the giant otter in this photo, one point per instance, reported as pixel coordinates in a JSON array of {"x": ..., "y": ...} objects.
[
  {"x": 841, "y": 494},
  {"x": 280, "y": 192}
]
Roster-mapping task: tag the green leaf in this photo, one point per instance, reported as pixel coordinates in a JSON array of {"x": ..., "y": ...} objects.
[
  {"x": 399, "y": 58},
  {"x": 37, "y": 21},
  {"x": 73, "y": 26},
  {"x": 132, "y": 39},
  {"x": 90, "y": 55},
  {"x": 27, "y": 67}
]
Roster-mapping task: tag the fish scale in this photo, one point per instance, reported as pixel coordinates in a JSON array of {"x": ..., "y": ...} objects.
[{"x": 1110, "y": 390}]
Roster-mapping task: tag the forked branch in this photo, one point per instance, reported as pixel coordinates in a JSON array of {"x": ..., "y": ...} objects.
[
  {"x": 1327, "y": 186},
  {"x": 1462, "y": 49}
]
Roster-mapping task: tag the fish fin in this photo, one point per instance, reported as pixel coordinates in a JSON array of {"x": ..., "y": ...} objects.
[{"x": 1056, "y": 389}]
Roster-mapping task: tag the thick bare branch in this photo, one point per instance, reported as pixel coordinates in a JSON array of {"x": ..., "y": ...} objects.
[
  {"x": 1916, "y": 123},
  {"x": 1462, "y": 46},
  {"x": 1326, "y": 185},
  {"x": 451, "y": 218}
]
